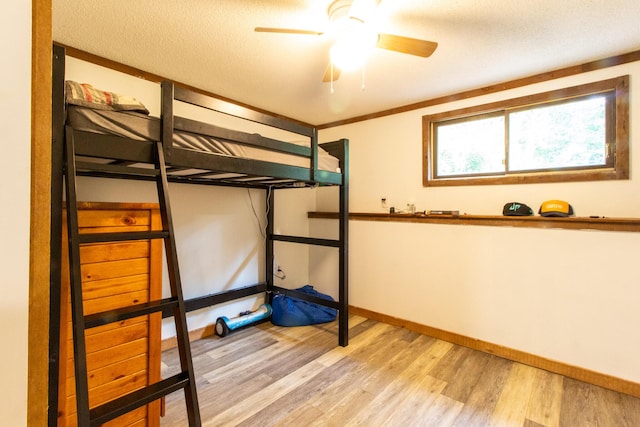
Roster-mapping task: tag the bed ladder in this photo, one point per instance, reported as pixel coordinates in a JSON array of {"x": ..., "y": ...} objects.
[{"x": 170, "y": 307}]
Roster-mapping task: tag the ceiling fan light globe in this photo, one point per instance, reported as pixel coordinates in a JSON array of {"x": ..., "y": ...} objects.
[
  {"x": 346, "y": 56},
  {"x": 352, "y": 47}
]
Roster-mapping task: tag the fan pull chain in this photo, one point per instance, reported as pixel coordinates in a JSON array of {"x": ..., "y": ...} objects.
[{"x": 332, "y": 76}]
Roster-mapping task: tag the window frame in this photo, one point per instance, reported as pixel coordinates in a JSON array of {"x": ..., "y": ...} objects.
[{"x": 617, "y": 138}]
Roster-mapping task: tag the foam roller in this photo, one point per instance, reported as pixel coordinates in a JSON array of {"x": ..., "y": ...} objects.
[{"x": 224, "y": 325}]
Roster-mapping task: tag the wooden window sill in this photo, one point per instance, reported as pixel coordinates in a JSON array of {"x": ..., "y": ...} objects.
[{"x": 572, "y": 223}]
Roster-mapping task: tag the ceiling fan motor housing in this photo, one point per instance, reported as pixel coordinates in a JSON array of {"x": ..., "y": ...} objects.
[{"x": 339, "y": 9}]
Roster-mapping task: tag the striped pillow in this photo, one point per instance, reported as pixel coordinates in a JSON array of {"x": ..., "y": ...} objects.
[{"x": 85, "y": 95}]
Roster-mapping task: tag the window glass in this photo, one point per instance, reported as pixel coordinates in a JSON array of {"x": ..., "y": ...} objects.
[
  {"x": 567, "y": 135},
  {"x": 470, "y": 147}
]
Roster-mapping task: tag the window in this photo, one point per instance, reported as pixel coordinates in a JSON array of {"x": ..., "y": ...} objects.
[{"x": 572, "y": 134}]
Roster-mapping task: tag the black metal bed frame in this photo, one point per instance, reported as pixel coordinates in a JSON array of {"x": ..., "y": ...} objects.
[{"x": 124, "y": 153}]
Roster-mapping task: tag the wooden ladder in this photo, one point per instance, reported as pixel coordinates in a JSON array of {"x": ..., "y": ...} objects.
[{"x": 169, "y": 307}]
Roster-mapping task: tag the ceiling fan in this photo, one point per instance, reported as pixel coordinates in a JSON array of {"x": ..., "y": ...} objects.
[{"x": 353, "y": 37}]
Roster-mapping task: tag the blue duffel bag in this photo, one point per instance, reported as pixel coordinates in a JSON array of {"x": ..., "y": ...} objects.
[{"x": 290, "y": 311}]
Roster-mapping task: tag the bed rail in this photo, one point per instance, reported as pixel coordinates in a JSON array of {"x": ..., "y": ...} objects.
[
  {"x": 274, "y": 173},
  {"x": 191, "y": 97}
]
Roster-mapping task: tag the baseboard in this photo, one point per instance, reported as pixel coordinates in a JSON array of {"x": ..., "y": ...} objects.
[
  {"x": 575, "y": 372},
  {"x": 194, "y": 335},
  {"x": 582, "y": 374}
]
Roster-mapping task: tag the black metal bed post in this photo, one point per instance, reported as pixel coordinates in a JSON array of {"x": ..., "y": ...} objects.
[
  {"x": 55, "y": 245},
  {"x": 269, "y": 252},
  {"x": 167, "y": 95},
  {"x": 314, "y": 154},
  {"x": 343, "y": 257}
]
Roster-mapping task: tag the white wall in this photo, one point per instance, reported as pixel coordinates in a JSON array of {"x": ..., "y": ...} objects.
[
  {"x": 566, "y": 295},
  {"x": 15, "y": 127},
  {"x": 219, "y": 242}
]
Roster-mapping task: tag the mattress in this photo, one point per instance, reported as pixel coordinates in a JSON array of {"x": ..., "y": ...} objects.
[{"x": 143, "y": 127}]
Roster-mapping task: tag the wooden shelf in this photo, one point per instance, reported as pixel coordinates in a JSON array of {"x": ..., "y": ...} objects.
[{"x": 571, "y": 223}]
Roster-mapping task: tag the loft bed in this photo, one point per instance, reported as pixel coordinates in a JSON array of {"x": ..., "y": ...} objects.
[{"x": 200, "y": 153}]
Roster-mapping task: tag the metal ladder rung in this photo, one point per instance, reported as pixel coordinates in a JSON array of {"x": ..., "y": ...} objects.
[
  {"x": 306, "y": 240},
  {"x": 121, "y": 237},
  {"x": 103, "y": 318},
  {"x": 120, "y": 406}
]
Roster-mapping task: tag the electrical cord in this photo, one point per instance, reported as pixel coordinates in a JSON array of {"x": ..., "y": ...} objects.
[
  {"x": 263, "y": 231},
  {"x": 278, "y": 271}
]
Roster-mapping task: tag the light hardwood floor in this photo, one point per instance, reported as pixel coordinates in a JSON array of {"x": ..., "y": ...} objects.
[{"x": 387, "y": 376}]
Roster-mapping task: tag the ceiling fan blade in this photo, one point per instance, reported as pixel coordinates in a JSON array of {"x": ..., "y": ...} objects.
[
  {"x": 286, "y": 31},
  {"x": 406, "y": 45},
  {"x": 327, "y": 74}
]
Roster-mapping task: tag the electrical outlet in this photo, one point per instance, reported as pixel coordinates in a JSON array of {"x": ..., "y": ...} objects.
[{"x": 278, "y": 271}]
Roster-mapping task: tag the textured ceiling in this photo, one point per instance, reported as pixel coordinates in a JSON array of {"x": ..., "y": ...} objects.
[{"x": 211, "y": 45}]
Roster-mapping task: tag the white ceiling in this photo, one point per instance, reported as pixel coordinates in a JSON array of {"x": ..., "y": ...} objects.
[{"x": 212, "y": 45}]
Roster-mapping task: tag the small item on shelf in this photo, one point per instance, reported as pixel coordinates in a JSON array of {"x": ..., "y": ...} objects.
[
  {"x": 443, "y": 212},
  {"x": 516, "y": 209},
  {"x": 555, "y": 208}
]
